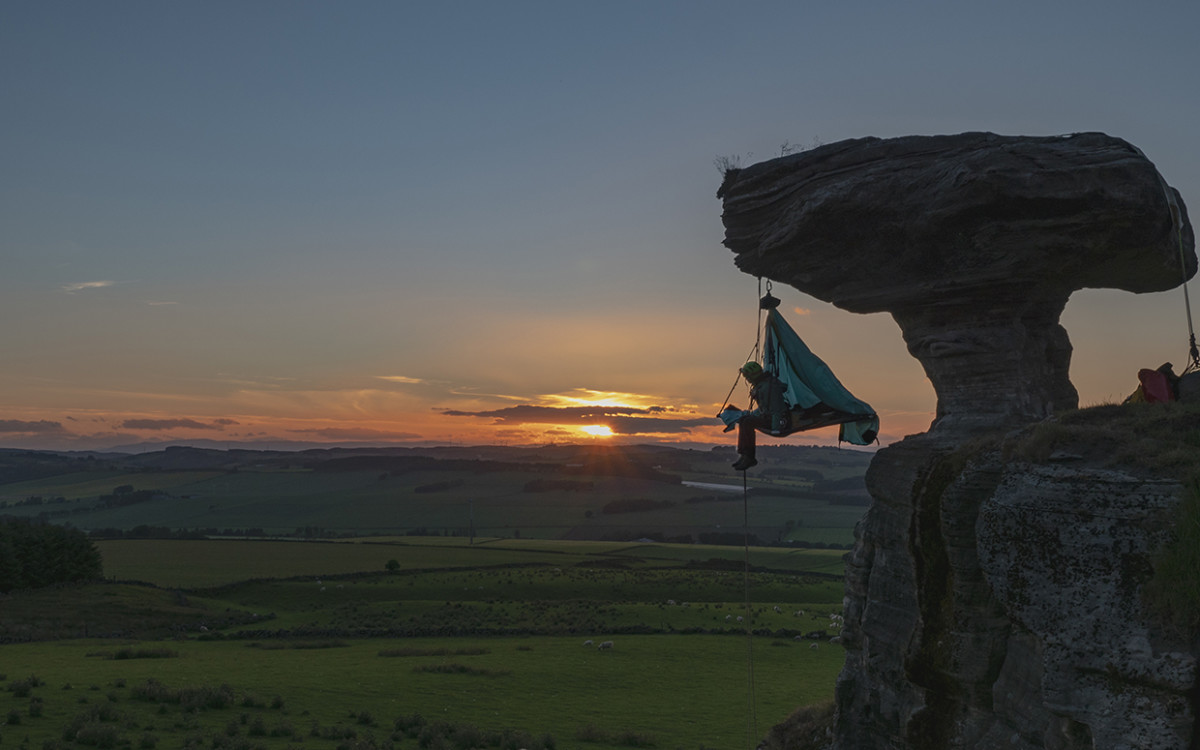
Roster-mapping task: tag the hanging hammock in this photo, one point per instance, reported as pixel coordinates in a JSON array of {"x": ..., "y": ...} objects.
[{"x": 814, "y": 395}]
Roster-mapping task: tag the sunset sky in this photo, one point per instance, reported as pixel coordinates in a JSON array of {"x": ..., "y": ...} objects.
[{"x": 496, "y": 222}]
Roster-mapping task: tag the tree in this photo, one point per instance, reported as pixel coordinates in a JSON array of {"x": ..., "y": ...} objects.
[{"x": 33, "y": 555}]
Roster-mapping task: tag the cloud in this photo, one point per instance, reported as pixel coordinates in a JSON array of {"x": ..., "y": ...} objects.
[
  {"x": 82, "y": 285},
  {"x": 400, "y": 379},
  {"x": 166, "y": 424},
  {"x": 654, "y": 425},
  {"x": 224, "y": 421},
  {"x": 621, "y": 420},
  {"x": 41, "y": 427},
  {"x": 530, "y": 414},
  {"x": 802, "y": 311},
  {"x": 351, "y": 433}
]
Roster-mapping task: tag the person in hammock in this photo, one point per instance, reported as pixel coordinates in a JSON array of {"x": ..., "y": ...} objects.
[{"x": 770, "y": 413}]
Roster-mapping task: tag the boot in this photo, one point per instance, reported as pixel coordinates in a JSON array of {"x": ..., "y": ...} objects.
[{"x": 744, "y": 462}]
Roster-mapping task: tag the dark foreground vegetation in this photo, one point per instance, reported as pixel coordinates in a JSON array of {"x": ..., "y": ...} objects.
[{"x": 33, "y": 555}]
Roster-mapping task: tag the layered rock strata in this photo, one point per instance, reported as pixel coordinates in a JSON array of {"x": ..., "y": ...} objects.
[{"x": 960, "y": 632}]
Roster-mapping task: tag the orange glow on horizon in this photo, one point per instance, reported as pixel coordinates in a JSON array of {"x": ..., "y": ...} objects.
[{"x": 597, "y": 430}]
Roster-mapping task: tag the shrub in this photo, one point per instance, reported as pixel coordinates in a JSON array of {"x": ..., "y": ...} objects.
[
  {"x": 409, "y": 726},
  {"x": 22, "y": 688},
  {"x": 129, "y": 652},
  {"x": 93, "y": 734},
  {"x": 257, "y": 728},
  {"x": 460, "y": 669},
  {"x": 284, "y": 729}
]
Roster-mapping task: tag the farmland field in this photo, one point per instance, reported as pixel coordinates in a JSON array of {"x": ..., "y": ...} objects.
[
  {"x": 313, "y": 643},
  {"x": 358, "y": 600},
  {"x": 685, "y": 692},
  {"x": 811, "y": 497}
]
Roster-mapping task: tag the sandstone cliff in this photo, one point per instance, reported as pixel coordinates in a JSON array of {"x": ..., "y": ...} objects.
[{"x": 994, "y": 597}]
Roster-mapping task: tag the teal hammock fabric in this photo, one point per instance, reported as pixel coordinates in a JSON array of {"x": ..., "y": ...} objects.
[{"x": 811, "y": 385}]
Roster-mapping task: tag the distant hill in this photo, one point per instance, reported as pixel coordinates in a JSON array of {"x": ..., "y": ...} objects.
[{"x": 805, "y": 495}]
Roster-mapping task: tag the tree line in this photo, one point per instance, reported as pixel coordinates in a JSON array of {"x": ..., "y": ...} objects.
[{"x": 34, "y": 555}]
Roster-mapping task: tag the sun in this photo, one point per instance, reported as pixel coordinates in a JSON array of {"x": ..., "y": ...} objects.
[{"x": 597, "y": 430}]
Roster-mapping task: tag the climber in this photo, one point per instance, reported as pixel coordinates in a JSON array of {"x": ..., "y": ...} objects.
[{"x": 771, "y": 412}]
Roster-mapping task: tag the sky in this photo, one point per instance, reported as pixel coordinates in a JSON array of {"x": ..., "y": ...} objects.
[{"x": 288, "y": 222}]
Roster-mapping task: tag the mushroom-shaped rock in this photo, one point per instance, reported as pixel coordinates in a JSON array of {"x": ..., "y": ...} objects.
[{"x": 973, "y": 242}]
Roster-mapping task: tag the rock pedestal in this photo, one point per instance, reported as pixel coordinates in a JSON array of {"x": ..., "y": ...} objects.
[
  {"x": 988, "y": 603},
  {"x": 973, "y": 243}
]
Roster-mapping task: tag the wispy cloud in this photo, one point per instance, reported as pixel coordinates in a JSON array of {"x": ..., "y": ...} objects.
[
  {"x": 802, "y": 311},
  {"x": 400, "y": 379},
  {"x": 352, "y": 433},
  {"x": 169, "y": 424},
  {"x": 41, "y": 427},
  {"x": 622, "y": 420},
  {"x": 82, "y": 285}
]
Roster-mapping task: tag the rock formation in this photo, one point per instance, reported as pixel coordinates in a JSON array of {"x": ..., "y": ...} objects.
[
  {"x": 972, "y": 242},
  {"x": 989, "y": 602}
]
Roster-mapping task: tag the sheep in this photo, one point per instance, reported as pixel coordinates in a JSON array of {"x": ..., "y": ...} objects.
[
  {"x": 835, "y": 639},
  {"x": 604, "y": 645},
  {"x": 778, "y": 609},
  {"x": 813, "y": 646},
  {"x": 739, "y": 618},
  {"x": 588, "y": 642},
  {"x": 728, "y": 618}
]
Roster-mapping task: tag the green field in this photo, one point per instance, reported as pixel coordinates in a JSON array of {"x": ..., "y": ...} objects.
[
  {"x": 439, "y": 599},
  {"x": 206, "y": 563},
  {"x": 317, "y": 645},
  {"x": 562, "y": 494},
  {"x": 685, "y": 692}
]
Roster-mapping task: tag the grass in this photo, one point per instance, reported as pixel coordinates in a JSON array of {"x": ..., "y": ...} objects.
[
  {"x": 229, "y": 677},
  {"x": 672, "y": 691},
  {"x": 263, "y": 644},
  {"x": 1160, "y": 439},
  {"x": 91, "y": 484},
  {"x": 192, "y": 564}
]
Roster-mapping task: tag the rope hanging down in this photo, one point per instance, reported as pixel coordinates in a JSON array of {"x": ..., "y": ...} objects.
[
  {"x": 1177, "y": 222},
  {"x": 1193, "y": 352},
  {"x": 754, "y": 353}
]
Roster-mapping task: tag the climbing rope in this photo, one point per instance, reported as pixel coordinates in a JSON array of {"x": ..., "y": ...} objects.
[
  {"x": 751, "y": 712},
  {"x": 1193, "y": 352},
  {"x": 1177, "y": 222},
  {"x": 754, "y": 352}
]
